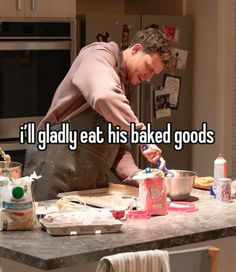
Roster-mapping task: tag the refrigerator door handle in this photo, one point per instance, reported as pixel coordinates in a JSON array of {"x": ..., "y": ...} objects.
[
  {"x": 138, "y": 109},
  {"x": 151, "y": 104},
  {"x": 138, "y": 102}
]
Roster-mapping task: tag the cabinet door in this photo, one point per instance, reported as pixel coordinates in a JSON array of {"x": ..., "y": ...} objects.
[
  {"x": 11, "y": 8},
  {"x": 50, "y": 8}
]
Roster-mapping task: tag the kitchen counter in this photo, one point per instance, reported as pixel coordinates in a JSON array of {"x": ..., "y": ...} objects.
[{"x": 38, "y": 249}]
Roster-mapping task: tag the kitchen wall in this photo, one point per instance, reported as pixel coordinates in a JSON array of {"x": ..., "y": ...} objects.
[
  {"x": 204, "y": 14},
  {"x": 213, "y": 79},
  {"x": 163, "y": 7},
  {"x": 102, "y": 7},
  {"x": 166, "y": 7}
]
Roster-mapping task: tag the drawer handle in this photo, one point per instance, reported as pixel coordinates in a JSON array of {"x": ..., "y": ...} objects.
[
  {"x": 33, "y": 4},
  {"x": 19, "y": 6}
]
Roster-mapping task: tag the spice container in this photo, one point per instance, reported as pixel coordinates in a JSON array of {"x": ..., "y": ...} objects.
[{"x": 223, "y": 189}]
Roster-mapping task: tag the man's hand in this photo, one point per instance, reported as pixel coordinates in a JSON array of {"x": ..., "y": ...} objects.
[{"x": 153, "y": 153}]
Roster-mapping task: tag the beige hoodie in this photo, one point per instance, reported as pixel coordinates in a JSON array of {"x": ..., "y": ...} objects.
[{"x": 92, "y": 81}]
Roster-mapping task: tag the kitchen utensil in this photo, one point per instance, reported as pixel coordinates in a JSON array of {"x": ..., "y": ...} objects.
[
  {"x": 180, "y": 184},
  {"x": 164, "y": 169},
  {"x": 158, "y": 163}
]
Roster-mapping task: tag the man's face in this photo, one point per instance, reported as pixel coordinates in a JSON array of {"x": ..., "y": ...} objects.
[{"x": 142, "y": 66}]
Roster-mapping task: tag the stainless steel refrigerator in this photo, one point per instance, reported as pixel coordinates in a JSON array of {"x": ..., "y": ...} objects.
[
  {"x": 144, "y": 100},
  {"x": 179, "y": 114},
  {"x": 119, "y": 28}
]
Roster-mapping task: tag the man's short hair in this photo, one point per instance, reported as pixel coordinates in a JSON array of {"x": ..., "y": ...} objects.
[{"x": 154, "y": 40}]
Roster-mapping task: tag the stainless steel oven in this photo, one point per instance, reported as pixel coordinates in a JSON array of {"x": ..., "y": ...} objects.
[{"x": 34, "y": 58}]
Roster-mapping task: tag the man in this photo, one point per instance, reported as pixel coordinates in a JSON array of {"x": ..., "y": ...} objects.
[{"x": 92, "y": 94}]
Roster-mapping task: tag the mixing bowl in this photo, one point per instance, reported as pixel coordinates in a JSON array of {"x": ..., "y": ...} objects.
[{"x": 179, "y": 184}]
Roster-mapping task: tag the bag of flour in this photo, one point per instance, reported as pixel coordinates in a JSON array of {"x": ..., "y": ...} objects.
[{"x": 18, "y": 207}]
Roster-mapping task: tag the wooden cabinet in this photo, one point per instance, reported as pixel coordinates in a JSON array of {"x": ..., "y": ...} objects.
[
  {"x": 50, "y": 8},
  {"x": 38, "y": 8},
  {"x": 11, "y": 8}
]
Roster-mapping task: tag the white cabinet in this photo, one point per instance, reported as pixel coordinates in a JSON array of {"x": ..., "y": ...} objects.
[{"x": 38, "y": 8}]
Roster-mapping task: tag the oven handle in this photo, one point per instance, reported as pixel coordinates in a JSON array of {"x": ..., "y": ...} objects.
[{"x": 45, "y": 45}]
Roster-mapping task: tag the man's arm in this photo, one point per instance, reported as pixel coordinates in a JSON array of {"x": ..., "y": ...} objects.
[{"x": 124, "y": 165}]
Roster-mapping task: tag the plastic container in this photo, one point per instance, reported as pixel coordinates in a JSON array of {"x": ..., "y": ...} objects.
[
  {"x": 152, "y": 194},
  {"x": 14, "y": 169},
  {"x": 220, "y": 167},
  {"x": 181, "y": 206},
  {"x": 137, "y": 214},
  {"x": 223, "y": 189},
  {"x": 220, "y": 170}
]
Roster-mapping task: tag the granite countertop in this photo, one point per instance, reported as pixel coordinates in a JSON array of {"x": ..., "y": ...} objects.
[{"x": 38, "y": 249}]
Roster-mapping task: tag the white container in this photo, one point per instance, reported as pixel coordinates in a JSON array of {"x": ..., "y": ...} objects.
[{"x": 219, "y": 167}]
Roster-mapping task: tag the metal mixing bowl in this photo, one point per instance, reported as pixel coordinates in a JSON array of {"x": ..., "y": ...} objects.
[{"x": 179, "y": 184}]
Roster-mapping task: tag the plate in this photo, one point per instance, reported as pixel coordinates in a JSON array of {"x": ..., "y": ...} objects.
[{"x": 181, "y": 206}]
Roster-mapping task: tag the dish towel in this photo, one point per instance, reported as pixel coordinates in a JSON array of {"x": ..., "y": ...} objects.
[{"x": 141, "y": 261}]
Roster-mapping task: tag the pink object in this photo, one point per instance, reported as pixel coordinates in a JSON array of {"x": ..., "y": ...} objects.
[
  {"x": 223, "y": 189},
  {"x": 153, "y": 195},
  {"x": 118, "y": 214},
  {"x": 138, "y": 215},
  {"x": 181, "y": 206}
]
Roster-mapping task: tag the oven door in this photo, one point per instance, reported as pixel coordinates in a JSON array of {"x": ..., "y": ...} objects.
[{"x": 30, "y": 72}]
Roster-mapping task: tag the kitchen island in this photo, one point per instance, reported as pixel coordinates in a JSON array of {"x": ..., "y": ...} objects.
[{"x": 38, "y": 251}]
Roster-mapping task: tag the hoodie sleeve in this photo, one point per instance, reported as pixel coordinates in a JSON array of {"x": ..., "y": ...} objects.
[
  {"x": 124, "y": 166},
  {"x": 100, "y": 85}
]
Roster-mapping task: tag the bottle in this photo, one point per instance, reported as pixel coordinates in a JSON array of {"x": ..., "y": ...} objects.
[
  {"x": 219, "y": 167},
  {"x": 219, "y": 172}
]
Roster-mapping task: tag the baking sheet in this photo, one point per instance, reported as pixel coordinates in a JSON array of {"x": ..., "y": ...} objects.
[
  {"x": 111, "y": 202},
  {"x": 114, "y": 197},
  {"x": 113, "y": 188}
]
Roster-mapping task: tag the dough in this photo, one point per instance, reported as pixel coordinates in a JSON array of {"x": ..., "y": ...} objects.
[{"x": 203, "y": 182}]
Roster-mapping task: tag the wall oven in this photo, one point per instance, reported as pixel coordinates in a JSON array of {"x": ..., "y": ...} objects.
[{"x": 34, "y": 58}]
